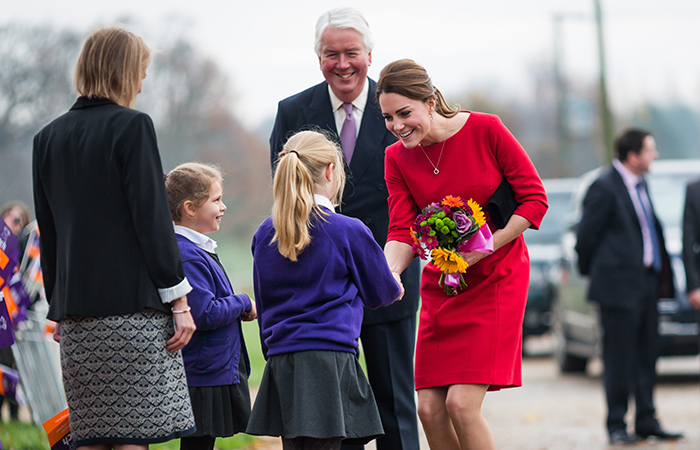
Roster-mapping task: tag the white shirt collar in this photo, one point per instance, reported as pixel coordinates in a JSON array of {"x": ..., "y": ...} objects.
[
  {"x": 323, "y": 201},
  {"x": 628, "y": 177},
  {"x": 359, "y": 103},
  {"x": 204, "y": 242}
]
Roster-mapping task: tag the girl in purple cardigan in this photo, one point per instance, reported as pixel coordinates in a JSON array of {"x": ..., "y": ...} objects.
[
  {"x": 216, "y": 360},
  {"x": 313, "y": 271}
]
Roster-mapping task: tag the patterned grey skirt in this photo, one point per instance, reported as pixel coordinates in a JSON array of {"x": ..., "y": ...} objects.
[{"x": 122, "y": 385}]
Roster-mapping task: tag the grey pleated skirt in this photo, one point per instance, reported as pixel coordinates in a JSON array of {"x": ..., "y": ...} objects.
[
  {"x": 317, "y": 394},
  {"x": 122, "y": 385},
  {"x": 221, "y": 411}
]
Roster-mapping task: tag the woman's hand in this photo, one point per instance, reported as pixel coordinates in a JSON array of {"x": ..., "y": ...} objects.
[
  {"x": 514, "y": 228},
  {"x": 397, "y": 278},
  {"x": 184, "y": 325},
  {"x": 57, "y": 332},
  {"x": 474, "y": 257},
  {"x": 250, "y": 315}
]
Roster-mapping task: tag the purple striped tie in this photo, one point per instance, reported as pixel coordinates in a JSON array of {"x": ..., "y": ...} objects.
[{"x": 348, "y": 133}]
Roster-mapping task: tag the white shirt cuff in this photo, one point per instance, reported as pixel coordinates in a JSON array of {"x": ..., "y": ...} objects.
[{"x": 167, "y": 295}]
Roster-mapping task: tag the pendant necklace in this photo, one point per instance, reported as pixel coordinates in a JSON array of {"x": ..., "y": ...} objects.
[{"x": 435, "y": 166}]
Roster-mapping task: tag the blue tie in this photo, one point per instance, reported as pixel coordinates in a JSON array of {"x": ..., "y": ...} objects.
[{"x": 656, "y": 250}]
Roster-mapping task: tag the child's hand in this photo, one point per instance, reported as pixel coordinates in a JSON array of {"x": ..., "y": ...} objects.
[
  {"x": 250, "y": 315},
  {"x": 397, "y": 278}
]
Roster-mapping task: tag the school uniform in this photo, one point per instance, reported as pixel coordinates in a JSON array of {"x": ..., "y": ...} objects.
[
  {"x": 216, "y": 359},
  {"x": 310, "y": 315}
]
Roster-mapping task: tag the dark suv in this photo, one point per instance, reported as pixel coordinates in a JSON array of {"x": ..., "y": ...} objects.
[
  {"x": 545, "y": 255},
  {"x": 576, "y": 327}
]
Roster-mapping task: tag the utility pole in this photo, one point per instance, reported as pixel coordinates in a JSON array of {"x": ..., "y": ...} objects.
[
  {"x": 563, "y": 138},
  {"x": 606, "y": 116}
]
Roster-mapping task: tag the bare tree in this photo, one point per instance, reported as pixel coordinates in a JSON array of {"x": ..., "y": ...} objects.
[{"x": 185, "y": 92}]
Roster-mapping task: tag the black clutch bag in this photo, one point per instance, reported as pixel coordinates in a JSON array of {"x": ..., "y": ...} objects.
[{"x": 502, "y": 204}]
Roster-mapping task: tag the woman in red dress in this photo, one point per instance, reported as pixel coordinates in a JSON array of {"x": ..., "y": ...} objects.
[{"x": 470, "y": 343}]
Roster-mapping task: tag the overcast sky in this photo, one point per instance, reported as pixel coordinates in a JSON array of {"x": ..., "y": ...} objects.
[{"x": 266, "y": 47}]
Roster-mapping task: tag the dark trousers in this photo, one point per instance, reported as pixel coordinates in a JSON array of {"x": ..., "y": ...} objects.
[
  {"x": 630, "y": 351},
  {"x": 388, "y": 350}
]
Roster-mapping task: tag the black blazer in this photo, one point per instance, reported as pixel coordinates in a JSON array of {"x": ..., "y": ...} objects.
[
  {"x": 610, "y": 246},
  {"x": 691, "y": 236},
  {"x": 107, "y": 241},
  {"x": 365, "y": 195}
]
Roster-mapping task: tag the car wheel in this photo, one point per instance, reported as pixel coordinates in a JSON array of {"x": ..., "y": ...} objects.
[{"x": 566, "y": 361}]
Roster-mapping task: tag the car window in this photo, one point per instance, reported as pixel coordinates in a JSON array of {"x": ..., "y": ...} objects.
[
  {"x": 554, "y": 223},
  {"x": 668, "y": 195}
]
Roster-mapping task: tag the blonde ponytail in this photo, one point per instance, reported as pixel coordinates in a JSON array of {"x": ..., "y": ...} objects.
[{"x": 300, "y": 165}]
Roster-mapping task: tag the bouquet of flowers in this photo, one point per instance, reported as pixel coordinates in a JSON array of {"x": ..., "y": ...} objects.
[{"x": 446, "y": 229}]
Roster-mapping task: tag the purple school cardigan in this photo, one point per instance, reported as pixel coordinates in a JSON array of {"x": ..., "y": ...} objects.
[
  {"x": 316, "y": 302},
  {"x": 214, "y": 352}
]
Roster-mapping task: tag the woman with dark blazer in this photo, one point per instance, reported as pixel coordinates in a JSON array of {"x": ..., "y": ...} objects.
[{"x": 112, "y": 270}]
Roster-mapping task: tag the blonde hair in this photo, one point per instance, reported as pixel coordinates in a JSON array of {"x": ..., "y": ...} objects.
[
  {"x": 190, "y": 182},
  {"x": 407, "y": 78},
  {"x": 111, "y": 65},
  {"x": 300, "y": 165}
]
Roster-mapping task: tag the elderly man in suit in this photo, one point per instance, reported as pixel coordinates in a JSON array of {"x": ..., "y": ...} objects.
[
  {"x": 620, "y": 245},
  {"x": 344, "y": 105}
]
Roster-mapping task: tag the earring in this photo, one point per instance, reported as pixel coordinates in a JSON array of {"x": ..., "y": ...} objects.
[{"x": 430, "y": 116}]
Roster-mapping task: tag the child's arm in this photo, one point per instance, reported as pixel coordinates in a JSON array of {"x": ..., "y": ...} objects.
[
  {"x": 376, "y": 284},
  {"x": 210, "y": 312},
  {"x": 250, "y": 315}
]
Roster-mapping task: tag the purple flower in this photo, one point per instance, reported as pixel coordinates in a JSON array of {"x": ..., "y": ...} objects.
[{"x": 462, "y": 221}]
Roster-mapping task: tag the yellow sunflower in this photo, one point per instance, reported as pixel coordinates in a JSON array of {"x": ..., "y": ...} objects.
[
  {"x": 479, "y": 216},
  {"x": 448, "y": 261},
  {"x": 451, "y": 201}
]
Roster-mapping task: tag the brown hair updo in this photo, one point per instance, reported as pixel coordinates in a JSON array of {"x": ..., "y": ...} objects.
[{"x": 407, "y": 78}]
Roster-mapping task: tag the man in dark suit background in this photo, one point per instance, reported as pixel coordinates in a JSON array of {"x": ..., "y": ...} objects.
[
  {"x": 344, "y": 105},
  {"x": 691, "y": 243},
  {"x": 620, "y": 245}
]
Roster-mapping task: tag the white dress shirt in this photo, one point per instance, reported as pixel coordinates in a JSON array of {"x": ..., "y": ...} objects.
[
  {"x": 200, "y": 240},
  {"x": 631, "y": 180},
  {"x": 358, "y": 108}
]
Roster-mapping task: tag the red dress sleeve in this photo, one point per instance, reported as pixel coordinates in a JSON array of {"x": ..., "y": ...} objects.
[
  {"x": 518, "y": 169},
  {"x": 402, "y": 208}
]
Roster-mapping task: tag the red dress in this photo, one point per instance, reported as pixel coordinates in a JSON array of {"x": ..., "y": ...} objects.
[{"x": 476, "y": 336}]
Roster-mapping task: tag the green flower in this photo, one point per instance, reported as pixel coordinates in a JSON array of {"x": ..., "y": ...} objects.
[{"x": 445, "y": 230}]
